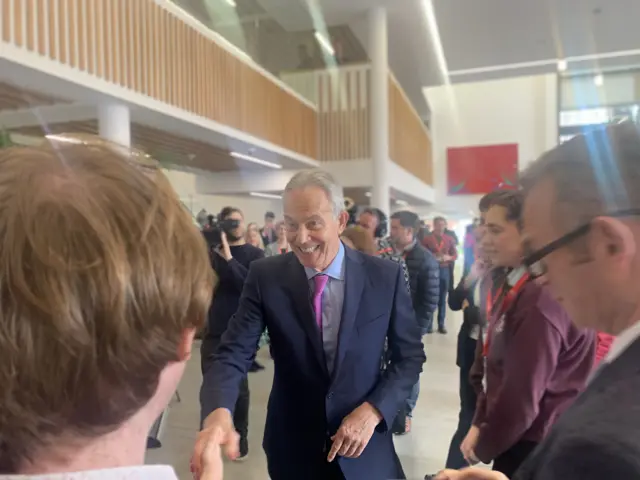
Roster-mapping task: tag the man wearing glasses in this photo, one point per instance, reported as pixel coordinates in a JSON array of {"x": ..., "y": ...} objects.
[
  {"x": 535, "y": 360},
  {"x": 583, "y": 236}
]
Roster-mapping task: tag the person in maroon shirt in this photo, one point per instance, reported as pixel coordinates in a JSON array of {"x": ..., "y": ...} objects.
[
  {"x": 536, "y": 361},
  {"x": 444, "y": 249}
]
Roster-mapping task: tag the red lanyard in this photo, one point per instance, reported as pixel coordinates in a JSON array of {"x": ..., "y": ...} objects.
[
  {"x": 439, "y": 245},
  {"x": 504, "y": 306}
]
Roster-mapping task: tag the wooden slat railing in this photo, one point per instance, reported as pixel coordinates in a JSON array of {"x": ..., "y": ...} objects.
[
  {"x": 409, "y": 138},
  {"x": 342, "y": 97},
  {"x": 151, "y": 47}
]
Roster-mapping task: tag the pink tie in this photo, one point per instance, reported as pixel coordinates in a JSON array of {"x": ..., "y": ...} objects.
[{"x": 320, "y": 281}]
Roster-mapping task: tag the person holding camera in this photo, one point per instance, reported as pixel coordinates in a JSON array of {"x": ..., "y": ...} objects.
[{"x": 230, "y": 260}]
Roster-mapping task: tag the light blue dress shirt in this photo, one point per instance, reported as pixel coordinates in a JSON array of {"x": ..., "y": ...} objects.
[{"x": 332, "y": 302}]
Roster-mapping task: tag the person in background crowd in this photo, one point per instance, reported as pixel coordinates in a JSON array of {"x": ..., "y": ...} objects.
[
  {"x": 424, "y": 284},
  {"x": 582, "y": 234},
  {"x": 253, "y": 236},
  {"x": 535, "y": 360},
  {"x": 281, "y": 245},
  {"x": 231, "y": 262},
  {"x": 443, "y": 248},
  {"x": 359, "y": 239},
  {"x": 374, "y": 221},
  {"x": 469, "y": 297},
  {"x": 268, "y": 232},
  {"x": 329, "y": 310},
  {"x": 470, "y": 239},
  {"x": 86, "y": 363},
  {"x": 452, "y": 234}
]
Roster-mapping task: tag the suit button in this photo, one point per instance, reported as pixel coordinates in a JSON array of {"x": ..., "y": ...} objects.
[{"x": 330, "y": 396}]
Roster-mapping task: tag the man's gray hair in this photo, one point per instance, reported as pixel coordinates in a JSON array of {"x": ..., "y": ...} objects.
[
  {"x": 593, "y": 174},
  {"x": 316, "y": 177}
]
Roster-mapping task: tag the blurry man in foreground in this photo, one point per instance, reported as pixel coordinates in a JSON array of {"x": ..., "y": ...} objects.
[
  {"x": 104, "y": 280},
  {"x": 582, "y": 230}
]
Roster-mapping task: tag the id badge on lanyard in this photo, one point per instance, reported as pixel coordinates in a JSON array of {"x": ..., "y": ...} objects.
[{"x": 497, "y": 326}]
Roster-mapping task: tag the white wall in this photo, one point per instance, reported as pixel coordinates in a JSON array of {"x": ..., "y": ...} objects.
[
  {"x": 184, "y": 183},
  {"x": 522, "y": 110}
]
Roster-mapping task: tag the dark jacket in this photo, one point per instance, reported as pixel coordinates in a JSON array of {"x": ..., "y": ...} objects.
[
  {"x": 231, "y": 278},
  {"x": 307, "y": 402},
  {"x": 424, "y": 280},
  {"x": 537, "y": 364},
  {"x": 598, "y": 437}
]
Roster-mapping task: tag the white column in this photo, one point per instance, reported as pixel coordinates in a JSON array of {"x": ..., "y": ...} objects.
[
  {"x": 114, "y": 123},
  {"x": 379, "y": 135}
]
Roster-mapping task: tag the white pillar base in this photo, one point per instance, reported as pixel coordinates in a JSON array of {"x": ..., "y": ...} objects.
[{"x": 114, "y": 123}]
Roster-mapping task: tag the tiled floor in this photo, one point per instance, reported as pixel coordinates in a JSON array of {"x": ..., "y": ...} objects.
[{"x": 423, "y": 451}]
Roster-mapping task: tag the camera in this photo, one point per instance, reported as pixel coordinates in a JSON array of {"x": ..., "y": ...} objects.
[{"x": 213, "y": 230}]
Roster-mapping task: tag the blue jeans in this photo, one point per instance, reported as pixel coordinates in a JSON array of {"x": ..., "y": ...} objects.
[
  {"x": 445, "y": 283},
  {"x": 468, "y": 397},
  {"x": 411, "y": 402}
]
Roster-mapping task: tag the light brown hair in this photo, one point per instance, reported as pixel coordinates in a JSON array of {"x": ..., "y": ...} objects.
[
  {"x": 361, "y": 239},
  {"x": 101, "y": 273}
]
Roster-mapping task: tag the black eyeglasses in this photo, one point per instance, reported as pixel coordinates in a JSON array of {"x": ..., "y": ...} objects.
[{"x": 534, "y": 262}]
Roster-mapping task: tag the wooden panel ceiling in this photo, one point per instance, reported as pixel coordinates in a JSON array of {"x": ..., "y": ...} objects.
[
  {"x": 167, "y": 148},
  {"x": 15, "y": 98}
]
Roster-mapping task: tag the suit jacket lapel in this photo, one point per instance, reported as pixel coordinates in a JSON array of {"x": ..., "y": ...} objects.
[
  {"x": 354, "y": 278},
  {"x": 298, "y": 286}
]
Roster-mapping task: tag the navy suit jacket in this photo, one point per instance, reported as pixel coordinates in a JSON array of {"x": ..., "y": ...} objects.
[{"x": 307, "y": 402}]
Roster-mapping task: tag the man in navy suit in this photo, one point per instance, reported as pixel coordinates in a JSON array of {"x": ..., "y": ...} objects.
[{"x": 329, "y": 310}]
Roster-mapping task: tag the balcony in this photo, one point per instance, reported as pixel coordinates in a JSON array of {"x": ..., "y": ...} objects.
[{"x": 342, "y": 97}]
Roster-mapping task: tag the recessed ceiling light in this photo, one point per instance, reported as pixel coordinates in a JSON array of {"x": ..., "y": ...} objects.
[
  {"x": 265, "y": 195},
  {"x": 231, "y": 3},
  {"x": 598, "y": 80},
  {"x": 562, "y": 65},
  {"x": 251, "y": 158}
]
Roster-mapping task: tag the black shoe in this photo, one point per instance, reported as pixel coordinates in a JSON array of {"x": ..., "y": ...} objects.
[
  {"x": 429, "y": 331},
  {"x": 256, "y": 367},
  {"x": 442, "y": 330}
]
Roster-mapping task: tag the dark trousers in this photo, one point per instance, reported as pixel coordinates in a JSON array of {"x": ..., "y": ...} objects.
[
  {"x": 468, "y": 398},
  {"x": 508, "y": 462},
  {"x": 241, "y": 411},
  {"x": 445, "y": 283}
]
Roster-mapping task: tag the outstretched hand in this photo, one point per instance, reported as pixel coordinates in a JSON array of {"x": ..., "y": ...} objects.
[{"x": 470, "y": 474}]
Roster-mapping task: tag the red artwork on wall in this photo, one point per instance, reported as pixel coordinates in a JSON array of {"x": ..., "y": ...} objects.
[{"x": 482, "y": 169}]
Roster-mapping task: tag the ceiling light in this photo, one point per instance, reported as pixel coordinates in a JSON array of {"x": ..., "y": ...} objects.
[
  {"x": 265, "y": 195},
  {"x": 231, "y": 3},
  {"x": 562, "y": 65},
  {"x": 402, "y": 203},
  {"x": 367, "y": 194},
  {"x": 598, "y": 80},
  {"x": 253, "y": 159},
  {"x": 324, "y": 43}
]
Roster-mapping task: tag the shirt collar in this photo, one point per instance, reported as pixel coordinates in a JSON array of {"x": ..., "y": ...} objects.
[
  {"x": 334, "y": 270},
  {"x": 622, "y": 342},
  {"x": 515, "y": 275},
  {"x": 147, "y": 472}
]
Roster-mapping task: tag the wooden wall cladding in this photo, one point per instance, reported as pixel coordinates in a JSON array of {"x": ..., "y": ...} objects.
[
  {"x": 142, "y": 46},
  {"x": 409, "y": 139}
]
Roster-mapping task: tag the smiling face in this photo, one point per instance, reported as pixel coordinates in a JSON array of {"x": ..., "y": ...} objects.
[
  {"x": 501, "y": 240},
  {"x": 313, "y": 231}
]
